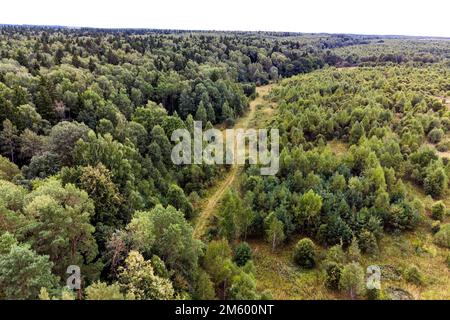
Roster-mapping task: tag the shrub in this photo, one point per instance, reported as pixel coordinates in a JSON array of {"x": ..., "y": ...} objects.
[
  {"x": 435, "y": 135},
  {"x": 335, "y": 254},
  {"x": 352, "y": 279},
  {"x": 354, "y": 253},
  {"x": 448, "y": 260},
  {"x": 435, "y": 227},
  {"x": 333, "y": 275},
  {"x": 305, "y": 253},
  {"x": 373, "y": 294},
  {"x": 438, "y": 211},
  {"x": 443, "y": 146},
  {"x": 413, "y": 275},
  {"x": 442, "y": 238},
  {"x": 242, "y": 254},
  {"x": 367, "y": 242}
]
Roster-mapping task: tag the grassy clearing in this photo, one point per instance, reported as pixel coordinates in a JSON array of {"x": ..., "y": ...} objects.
[{"x": 338, "y": 147}]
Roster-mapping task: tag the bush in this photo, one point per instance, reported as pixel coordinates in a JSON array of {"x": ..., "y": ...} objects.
[
  {"x": 367, "y": 242},
  {"x": 352, "y": 279},
  {"x": 442, "y": 238},
  {"x": 448, "y": 260},
  {"x": 242, "y": 254},
  {"x": 335, "y": 254},
  {"x": 438, "y": 210},
  {"x": 435, "y": 227},
  {"x": 413, "y": 275},
  {"x": 435, "y": 135},
  {"x": 354, "y": 253},
  {"x": 305, "y": 253},
  {"x": 443, "y": 146},
  {"x": 333, "y": 275},
  {"x": 373, "y": 294}
]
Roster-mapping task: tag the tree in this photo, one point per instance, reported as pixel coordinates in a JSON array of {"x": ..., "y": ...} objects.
[
  {"x": 352, "y": 280},
  {"x": 137, "y": 278},
  {"x": 274, "y": 231},
  {"x": 368, "y": 242},
  {"x": 44, "y": 100},
  {"x": 305, "y": 253},
  {"x": 200, "y": 114},
  {"x": 333, "y": 273},
  {"x": 102, "y": 291},
  {"x": 177, "y": 198},
  {"x": 141, "y": 229},
  {"x": 8, "y": 170},
  {"x": 308, "y": 208},
  {"x": 354, "y": 253},
  {"x": 63, "y": 138},
  {"x": 435, "y": 135},
  {"x": 438, "y": 210},
  {"x": 31, "y": 144},
  {"x": 228, "y": 209},
  {"x": 9, "y": 140},
  {"x": 242, "y": 254},
  {"x": 60, "y": 224},
  {"x": 98, "y": 184},
  {"x": 217, "y": 263},
  {"x": 42, "y": 166},
  {"x": 356, "y": 133},
  {"x": 203, "y": 287},
  {"x": 243, "y": 287},
  {"x": 23, "y": 273},
  {"x": 436, "y": 180},
  {"x": 174, "y": 243},
  {"x": 442, "y": 237}
]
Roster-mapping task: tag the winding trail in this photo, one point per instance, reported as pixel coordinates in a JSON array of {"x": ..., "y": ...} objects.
[{"x": 213, "y": 201}]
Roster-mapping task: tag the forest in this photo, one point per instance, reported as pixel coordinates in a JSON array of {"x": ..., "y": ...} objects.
[{"x": 87, "y": 180}]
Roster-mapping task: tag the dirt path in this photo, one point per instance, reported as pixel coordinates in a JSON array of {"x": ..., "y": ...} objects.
[{"x": 213, "y": 201}]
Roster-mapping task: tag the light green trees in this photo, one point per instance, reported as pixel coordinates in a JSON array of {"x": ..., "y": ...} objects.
[
  {"x": 235, "y": 217},
  {"x": 59, "y": 224},
  {"x": 352, "y": 280},
  {"x": 274, "y": 231},
  {"x": 308, "y": 208},
  {"x": 138, "y": 279},
  {"x": 166, "y": 233}
]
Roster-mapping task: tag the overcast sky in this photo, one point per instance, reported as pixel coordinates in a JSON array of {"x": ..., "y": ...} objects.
[{"x": 399, "y": 17}]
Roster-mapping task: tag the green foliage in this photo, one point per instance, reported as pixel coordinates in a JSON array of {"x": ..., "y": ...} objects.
[
  {"x": 59, "y": 224},
  {"x": 242, "y": 254},
  {"x": 8, "y": 170},
  {"x": 442, "y": 237},
  {"x": 103, "y": 291},
  {"x": 333, "y": 273},
  {"x": 413, "y": 275},
  {"x": 274, "y": 231},
  {"x": 23, "y": 272},
  {"x": 305, "y": 253},
  {"x": 352, "y": 280},
  {"x": 438, "y": 210},
  {"x": 137, "y": 278},
  {"x": 354, "y": 253}
]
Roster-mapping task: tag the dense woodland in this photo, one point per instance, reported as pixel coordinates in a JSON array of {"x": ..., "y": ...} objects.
[{"x": 86, "y": 177}]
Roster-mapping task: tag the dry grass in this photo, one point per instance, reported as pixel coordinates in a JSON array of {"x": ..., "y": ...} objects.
[{"x": 338, "y": 147}]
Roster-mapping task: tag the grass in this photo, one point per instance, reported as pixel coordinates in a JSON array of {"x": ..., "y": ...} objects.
[{"x": 276, "y": 272}]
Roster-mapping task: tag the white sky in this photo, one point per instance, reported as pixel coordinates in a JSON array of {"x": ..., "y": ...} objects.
[{"x": 400, "y": 17}]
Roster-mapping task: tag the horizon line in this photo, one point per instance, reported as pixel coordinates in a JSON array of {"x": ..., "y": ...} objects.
[{"x": 219, "y": 30}]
